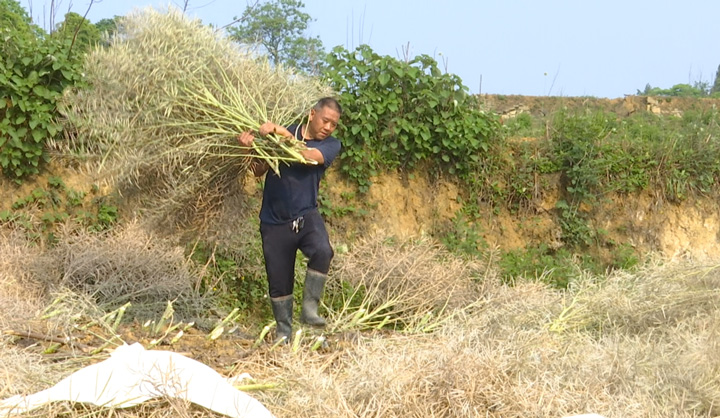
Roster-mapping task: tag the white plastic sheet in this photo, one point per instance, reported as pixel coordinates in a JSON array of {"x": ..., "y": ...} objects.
[{"x": 133, "y": 375}]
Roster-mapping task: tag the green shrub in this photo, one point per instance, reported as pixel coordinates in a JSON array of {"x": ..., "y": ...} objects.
[
  {"x": 34, "y": 71},
  {"x": 521, "y": 125},
  {"x": 402, "y": 115},
  {"x": 556, "y": 267},
  {"x": 463, "y": 237}
]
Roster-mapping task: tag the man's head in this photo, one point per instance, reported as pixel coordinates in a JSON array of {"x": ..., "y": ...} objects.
[{"x": 323, "y": 119}]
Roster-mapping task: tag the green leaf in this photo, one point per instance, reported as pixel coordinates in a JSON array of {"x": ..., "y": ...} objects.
[
  {"x": 68, "y": 74},
  {"x": 39, "y": 135},
  {"x": 384, "y": 78},
  {"x": 41, "y": 91}
]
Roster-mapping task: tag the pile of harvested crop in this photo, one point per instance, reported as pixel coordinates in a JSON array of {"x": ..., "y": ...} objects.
[{"x": 164, "y": 104}]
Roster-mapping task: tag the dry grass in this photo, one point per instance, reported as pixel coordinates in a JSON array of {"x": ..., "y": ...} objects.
[
  {"x": 504, "y": 358},
  {"x": 156, "y": 408},
  {"x": 124, "y": 265},
  {"x": 164, "y": 105},
  {"x": 640, "y": 301},
  {"x": 21, "y": 296},
  {"x": 22, "y": 371},
  {"x": 628, "y": 345},
  {"x": 85, "y": 275},
  {"x": 412, "y": 285}
]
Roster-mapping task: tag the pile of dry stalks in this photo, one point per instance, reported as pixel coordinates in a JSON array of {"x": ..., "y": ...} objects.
[
  {"x": 21, "y": 294},
  {"x": 413, "y": 285},
  {"x": 164, "y": 105},
  {"x": 147, "y": 272}
]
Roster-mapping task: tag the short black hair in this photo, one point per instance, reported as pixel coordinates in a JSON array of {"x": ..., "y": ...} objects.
[{"x": 328, "y": 102}]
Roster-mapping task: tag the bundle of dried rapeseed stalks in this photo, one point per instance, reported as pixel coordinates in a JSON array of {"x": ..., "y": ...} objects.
[{"x": 164, "y": 104}]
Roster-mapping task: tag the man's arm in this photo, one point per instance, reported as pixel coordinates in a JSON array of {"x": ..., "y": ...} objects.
[{"x": 311, "y": 154}]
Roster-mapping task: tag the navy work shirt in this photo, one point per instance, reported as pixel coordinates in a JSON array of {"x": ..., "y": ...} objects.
[{"x": 295, "y": 192}]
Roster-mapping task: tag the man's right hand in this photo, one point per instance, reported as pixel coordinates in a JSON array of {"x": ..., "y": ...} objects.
[{"x": 246, "y": 139}]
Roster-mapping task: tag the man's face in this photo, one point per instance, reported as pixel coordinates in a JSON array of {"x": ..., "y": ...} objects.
[{"x": 322, "y": 123}]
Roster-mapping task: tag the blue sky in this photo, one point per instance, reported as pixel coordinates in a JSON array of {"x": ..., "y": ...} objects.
[{"x": 605, "y": 48}]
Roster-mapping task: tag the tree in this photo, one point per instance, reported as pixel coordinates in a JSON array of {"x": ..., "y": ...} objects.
[
  {"x": 716, "y": 85},
  {"x": 107, "y": 28},
  {"x": 12, "y": 14},
  {"x": 78, "y": 31},
  {"x": 15, "y": 23},
  {"x": 277, "y": 26},
  {"x": 678, "y": 90}
]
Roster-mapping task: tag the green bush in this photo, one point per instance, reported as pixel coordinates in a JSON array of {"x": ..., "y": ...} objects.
[
  {"x": 556, "y": 267},
  {"x": 34, "y": 70},
  {"x": 521, "y": 125},
  {"x": 463, "y": 237},
  {"x": 405, "y": 115}
]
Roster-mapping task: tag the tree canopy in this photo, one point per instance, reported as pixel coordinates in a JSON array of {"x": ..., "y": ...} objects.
[
  {"x": 278, "y": 28},
  {"x": 699, "y": 89},
  {"x": 107, "y": 28},
  {"x": 78, "y": 31}
]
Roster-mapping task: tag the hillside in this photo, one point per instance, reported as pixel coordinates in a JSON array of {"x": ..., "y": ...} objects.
[
  {"x": 644, "y": 221},
  {"x": 512, "y": 105},
  {"x": 410, "y": 204}
]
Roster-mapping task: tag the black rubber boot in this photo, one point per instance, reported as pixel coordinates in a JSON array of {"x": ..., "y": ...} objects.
[
  {"x": 282, "y": 308},
  {"x": 314, "y": 285}
]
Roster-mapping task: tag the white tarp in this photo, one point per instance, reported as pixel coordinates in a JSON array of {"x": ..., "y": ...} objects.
[{"x": 133, "y": 375}]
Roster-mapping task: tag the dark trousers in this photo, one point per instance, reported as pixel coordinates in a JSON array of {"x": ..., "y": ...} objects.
[{"x": 280, "y": 244}]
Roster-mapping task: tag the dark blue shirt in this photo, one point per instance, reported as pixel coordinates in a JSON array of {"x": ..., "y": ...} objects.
[{"x": 295, "y": 191}]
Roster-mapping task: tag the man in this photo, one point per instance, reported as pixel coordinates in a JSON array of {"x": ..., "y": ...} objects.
[{"x": 289, "y": 217}]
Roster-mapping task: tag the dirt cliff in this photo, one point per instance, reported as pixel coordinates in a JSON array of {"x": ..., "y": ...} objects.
[
  {"x": 511, "y": 105},
  {"x": 412, "y": 205}
]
